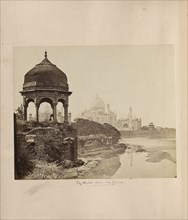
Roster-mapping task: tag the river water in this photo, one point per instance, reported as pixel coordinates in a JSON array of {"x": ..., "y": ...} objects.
[{"x": 157, "y": 161}]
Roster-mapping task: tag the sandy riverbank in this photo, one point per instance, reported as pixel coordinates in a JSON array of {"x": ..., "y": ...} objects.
[
  {"x": 154, "y": 159},
  {"x": 136, "y": 161},
  {"x": 100, "y": 164},
  {"x": 105, "y": 168}
]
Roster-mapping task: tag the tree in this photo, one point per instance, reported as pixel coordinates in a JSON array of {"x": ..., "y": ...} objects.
[
  {"x": 19, "y": 112},
  {"x": 144, "y": 128}
]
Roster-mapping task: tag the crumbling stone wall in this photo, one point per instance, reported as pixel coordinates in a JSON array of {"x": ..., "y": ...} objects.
[{"x": 53, "y": 144}]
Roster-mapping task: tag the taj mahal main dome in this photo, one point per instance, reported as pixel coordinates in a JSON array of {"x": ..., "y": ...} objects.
[{"x": 97, "y": 104}]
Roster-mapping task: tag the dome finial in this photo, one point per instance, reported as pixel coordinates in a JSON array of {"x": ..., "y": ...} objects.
[{"x": 45, "y": 54}]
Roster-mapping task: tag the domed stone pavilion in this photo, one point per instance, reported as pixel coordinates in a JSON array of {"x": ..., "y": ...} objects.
[{"x": 46, "y": 83}]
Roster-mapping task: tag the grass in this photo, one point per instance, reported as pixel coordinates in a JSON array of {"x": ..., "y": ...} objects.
[{"x": 45, "y": 170}]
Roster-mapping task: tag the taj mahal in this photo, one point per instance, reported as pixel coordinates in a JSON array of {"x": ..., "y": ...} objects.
[{"x": 102, "y": 113}]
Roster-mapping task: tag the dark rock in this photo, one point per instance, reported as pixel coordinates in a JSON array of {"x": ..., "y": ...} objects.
[{"x": 140, "y": 150}]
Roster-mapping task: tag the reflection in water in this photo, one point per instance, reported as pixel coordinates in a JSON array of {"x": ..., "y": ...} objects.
[{"x": 155, "y": 159}]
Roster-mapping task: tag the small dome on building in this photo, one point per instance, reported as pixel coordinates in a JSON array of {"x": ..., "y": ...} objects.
[
  {"x": 45, "y": 75},
  {"x": 98, "y": 104}
]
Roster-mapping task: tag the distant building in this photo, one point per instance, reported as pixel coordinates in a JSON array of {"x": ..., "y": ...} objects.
[
  {"x": 129, "y": 123},
  {"x": 151, "y": 126},
  {"x": 31, "y": 118},
  {"x": 60, "y": 117},
  {"x": 102, "y": 113}
]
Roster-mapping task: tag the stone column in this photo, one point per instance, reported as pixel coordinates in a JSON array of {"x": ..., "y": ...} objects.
[
  {"x": 37, "y": 111},
  {"x": 65, "y": 113},
  {"x": 25, "y": 109},
  {"x": 25, "y": 112},
  {"x": 55, "y": 111}
]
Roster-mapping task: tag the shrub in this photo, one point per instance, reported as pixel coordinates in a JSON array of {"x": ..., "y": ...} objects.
[
  {"x": 112, "y": 132},
  {"x": 55, "y": 146},
  {"x": 44, "y": 170},
  {"x": 86, "y": 127},
  {"x": 23, "y": 157}
]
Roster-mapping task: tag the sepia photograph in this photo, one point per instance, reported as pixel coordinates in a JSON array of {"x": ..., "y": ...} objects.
[{"x": 94, "y": 112}]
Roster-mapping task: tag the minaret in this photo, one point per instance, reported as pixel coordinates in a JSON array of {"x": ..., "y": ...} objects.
[
  {"x": 108, "y": 108},
  {"x": 130, "y": 119},
  {"x": 30, "y": 117},
  {"x": 130, "y": 113},
  {"x": 69, "y": 117},
  {"x": 108, "y": 113}
]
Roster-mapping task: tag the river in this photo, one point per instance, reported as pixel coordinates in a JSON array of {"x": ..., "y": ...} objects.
[{"x": 158, "y": 160}]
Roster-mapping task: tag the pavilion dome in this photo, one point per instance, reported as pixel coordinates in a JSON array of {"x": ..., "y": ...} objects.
[
  {"x": 98, "y": 104},
  {"x": 45, "y": 75}
]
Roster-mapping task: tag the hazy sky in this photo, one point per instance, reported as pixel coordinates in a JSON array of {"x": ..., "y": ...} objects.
[{"x": 137, "y": 76}]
